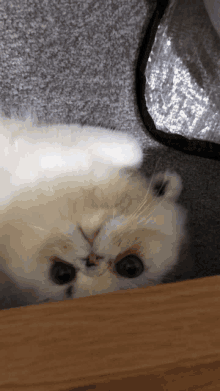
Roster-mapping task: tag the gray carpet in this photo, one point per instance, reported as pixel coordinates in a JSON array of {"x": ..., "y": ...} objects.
[{"x": 74, "y": 62}]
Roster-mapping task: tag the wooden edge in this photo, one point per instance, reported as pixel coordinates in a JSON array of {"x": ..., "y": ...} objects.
[{"x": 164, "y": 338}]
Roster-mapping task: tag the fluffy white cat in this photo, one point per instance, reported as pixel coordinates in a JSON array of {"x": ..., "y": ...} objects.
[{"x": 76, "y": 216}]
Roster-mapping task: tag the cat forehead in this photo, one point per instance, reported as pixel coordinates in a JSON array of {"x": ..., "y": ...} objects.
[{"x": 159, "y": 219}]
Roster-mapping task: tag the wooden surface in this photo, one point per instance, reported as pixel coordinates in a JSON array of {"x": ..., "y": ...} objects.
[{"x": 165, "y": 337}]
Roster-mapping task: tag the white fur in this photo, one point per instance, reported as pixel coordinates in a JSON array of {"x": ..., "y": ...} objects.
[
  {"x": 70, "y": 191},
  {"x": 30, "y": 154}
]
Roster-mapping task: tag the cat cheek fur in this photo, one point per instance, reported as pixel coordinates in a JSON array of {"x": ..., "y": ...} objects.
[{"x": 58, "y": 206}]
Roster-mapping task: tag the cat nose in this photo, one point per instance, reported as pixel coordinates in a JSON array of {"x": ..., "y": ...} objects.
[
  {"x": 92, "y": 260},
  {"x": 89, "y": 263}
]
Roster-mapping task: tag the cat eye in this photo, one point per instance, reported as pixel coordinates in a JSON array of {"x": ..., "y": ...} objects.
[
  {"x": 62, "y": 273},
  {"x": 130, "y": 266}
]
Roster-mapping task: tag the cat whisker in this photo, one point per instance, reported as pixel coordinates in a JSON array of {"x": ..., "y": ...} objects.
[
  {"x": 164, "y": 198},
  {"x": 35, "y": 226},
  {"x": 140, "y": 210},
  {"x": 146, "y": 196}
]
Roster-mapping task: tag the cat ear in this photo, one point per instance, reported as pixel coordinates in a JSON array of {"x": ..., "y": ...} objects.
[{"x": 167, "y": 185}]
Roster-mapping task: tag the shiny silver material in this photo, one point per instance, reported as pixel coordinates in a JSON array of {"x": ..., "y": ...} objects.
[{"x": 183, "y": 73}]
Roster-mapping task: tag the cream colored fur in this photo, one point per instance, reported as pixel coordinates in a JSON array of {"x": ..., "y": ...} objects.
[{"x": 66, "y": 212}]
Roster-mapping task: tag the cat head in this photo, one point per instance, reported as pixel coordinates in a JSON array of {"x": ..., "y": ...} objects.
[
  {"x": 76, "y": 216},
  {"x": 123, "y": 233}
]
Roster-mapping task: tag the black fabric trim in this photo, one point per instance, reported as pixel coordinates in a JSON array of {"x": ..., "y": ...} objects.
[{"x": 202, "y": 148}]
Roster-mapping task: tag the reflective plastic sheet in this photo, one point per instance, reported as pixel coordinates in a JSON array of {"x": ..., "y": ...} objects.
[{"x": 183, "y": 73}]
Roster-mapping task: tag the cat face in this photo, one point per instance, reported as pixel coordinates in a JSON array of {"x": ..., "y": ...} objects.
[{"x": 86, "y": 239}]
